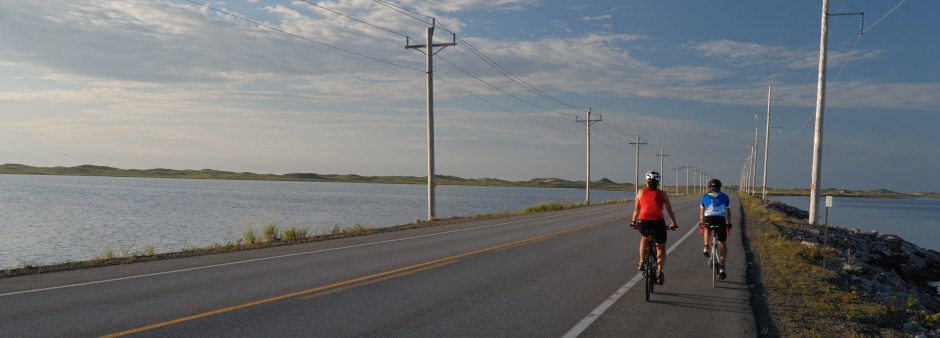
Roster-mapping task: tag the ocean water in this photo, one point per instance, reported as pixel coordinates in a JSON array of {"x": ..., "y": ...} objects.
[
  {"x": 915, "y": 220},
  {"x": 52, "y": 219}
]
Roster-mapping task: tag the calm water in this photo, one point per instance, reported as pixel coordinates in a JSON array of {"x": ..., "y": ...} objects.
[
  {"x": 51, "y": 219},
  {"x": 915, "y": 220}
]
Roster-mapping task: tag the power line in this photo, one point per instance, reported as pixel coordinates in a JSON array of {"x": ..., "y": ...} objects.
[
  {"x": 503, "y": 91},
  {"x": 489, "y": 61},
  {"x": 513, "y": 77},
  {"x": 503, "y": 109},
  {"x": 476, "y": 52},
  {"x": 617, "y": 129},
  {"x": 347, "y": 16},
  {"x": 404, "y": 11},
  {"x": 502, "y": 70},
  {"x": 883, "y": 17},
  {"x": 302, "y": 37}
]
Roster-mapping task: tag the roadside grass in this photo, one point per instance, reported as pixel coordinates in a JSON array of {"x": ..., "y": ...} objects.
[
  {"x": 800, "y": 298},
  {"x": 269, "y": 235}
]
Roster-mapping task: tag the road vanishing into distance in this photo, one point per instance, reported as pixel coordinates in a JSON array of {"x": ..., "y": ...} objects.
[{"x": 556, "y": 274}]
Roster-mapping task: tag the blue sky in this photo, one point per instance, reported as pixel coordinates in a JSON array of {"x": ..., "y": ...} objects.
[{"x": 171, "y": 84}]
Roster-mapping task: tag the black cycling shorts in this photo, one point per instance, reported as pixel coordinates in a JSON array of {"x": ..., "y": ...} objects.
[
  {"x": 722, "y": 230},
  {"x": 657, "y": 227}
]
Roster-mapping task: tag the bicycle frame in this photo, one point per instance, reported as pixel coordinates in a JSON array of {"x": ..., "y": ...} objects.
[
  {"x": 650, "y": 261},
  {"x": 713, "y": 259}
]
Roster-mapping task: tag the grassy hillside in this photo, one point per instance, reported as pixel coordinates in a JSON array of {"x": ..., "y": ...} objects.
[{"x": 93, "y": 170}]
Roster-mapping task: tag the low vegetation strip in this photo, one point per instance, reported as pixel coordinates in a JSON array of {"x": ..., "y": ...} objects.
[{"x": 804, "y": 289}]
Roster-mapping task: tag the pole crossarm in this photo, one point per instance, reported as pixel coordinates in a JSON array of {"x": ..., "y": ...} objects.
[{"x": 442, "y": 45}]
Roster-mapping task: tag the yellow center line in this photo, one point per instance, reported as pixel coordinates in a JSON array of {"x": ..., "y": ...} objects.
[
  {"x": 429, "y": 264},
  {"x": 526, "y": 242},
  {"x": 373, "y": 281}
]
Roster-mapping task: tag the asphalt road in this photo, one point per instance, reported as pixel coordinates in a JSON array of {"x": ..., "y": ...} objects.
[{"x": 559, "y": 274}]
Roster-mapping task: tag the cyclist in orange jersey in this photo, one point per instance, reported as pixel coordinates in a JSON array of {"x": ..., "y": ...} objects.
[{"x": 648, "y": 214}]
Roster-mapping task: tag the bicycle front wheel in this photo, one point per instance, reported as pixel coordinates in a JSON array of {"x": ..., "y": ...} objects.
[{"x": 714, "y": 264}]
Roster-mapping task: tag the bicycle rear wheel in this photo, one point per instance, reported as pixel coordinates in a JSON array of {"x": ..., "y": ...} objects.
[{"x": 650, "y": 269}]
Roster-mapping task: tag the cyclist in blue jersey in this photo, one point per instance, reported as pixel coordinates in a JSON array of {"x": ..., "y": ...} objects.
[{"x": 716, "y": 210}]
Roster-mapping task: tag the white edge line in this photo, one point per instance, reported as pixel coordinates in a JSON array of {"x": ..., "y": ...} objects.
[
  {"x": 293, "y": 254},
  {"x": 578, "y": 329}
]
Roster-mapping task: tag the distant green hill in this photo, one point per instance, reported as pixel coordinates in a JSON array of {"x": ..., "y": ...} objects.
[
  {"x": 876, "y": 193},
  {"x": 94, "y": 170}
]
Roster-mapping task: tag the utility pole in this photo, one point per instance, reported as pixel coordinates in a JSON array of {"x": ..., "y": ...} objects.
[
  {"x": 429, "y": 52},
  {"x": 704, "y": 182},
  {"x": 687, "y": 167},
  {"x": 754, "y": 167},
  {"x": 763, "y": 195},
  {"x": 636, "y": 177},
  {"x": 747, "y": 169},
  {"x": 662, "y": 156},
  {"x": 677, "y": 179},
  {"x": 704, "y": 176},
  {"x": 587, "y": 181},
  {"x": 820, "y": 108}
]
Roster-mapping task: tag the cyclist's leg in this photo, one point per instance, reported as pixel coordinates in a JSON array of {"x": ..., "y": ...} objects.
[
  {"x": 706, "y": 238},
  {"x": 659, "y": 232},
  {"x": 722, "y": 233},
  {"x": 641, "y": 227},
  {"x": 711, "y": 221}
]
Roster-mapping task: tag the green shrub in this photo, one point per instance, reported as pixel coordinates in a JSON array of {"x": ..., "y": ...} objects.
[
  {"x": 270, "y": 233},
  {"x": 250, "y": 236},
  {"x": 289, "y": 234},
  {"x": 931, "y": 320}
]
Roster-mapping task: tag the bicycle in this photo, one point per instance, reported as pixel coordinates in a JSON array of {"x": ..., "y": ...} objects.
[
  {"x": 648, "y": 269},
  {"x": 649, "y": 263},
  {"x": 713, "y": 259}
]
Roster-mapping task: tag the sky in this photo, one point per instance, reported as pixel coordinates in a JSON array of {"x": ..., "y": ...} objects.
[{"x": 329, "y": 87}]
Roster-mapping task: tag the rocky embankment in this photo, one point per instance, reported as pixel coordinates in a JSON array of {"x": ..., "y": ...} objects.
[{"x": 881, "y": 267}]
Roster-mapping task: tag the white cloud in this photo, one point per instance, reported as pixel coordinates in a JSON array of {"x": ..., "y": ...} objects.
[{"x": 597, "y": 18}]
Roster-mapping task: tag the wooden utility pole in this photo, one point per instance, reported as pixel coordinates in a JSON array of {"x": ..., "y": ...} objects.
[
  {"x": 820, "y": 108},
  {"x": 429, "y": 52},
  {"x": 662, "y": 156},
  {"x": 636, "y": 177},
  {"x": 587, "y": 180},
  {"x": 763, "y": 195}
]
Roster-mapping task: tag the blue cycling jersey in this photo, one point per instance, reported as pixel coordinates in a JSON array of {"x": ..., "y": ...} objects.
[{"x": 715, "y": 202}]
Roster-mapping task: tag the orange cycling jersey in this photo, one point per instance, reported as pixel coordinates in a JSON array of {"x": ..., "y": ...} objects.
[{"x": 651, "y": 205}]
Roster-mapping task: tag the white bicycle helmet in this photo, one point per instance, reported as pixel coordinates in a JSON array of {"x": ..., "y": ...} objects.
[{"x": 652, "y": 175}]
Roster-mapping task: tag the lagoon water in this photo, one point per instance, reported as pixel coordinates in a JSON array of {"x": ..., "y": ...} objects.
[
  {"x": 52, "y": 219},
  {"x": 915, "y": 220}
]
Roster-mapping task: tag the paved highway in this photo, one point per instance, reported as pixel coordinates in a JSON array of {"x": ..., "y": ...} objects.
[{"x": 560, "y": 274}]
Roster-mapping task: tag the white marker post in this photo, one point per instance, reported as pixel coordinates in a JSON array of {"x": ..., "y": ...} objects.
[{"x": 826, "y": 225}]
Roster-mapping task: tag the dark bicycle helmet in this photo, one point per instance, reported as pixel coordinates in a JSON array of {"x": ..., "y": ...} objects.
[
  {"x": 652, "y": 175},
  {"x": 714, "y": 183}
]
